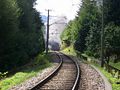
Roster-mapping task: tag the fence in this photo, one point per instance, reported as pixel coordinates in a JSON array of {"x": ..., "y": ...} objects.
[{"x": 114, "y": 71}]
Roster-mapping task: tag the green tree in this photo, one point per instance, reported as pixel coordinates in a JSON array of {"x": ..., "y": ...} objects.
[
  {"x": 8, "y": 29},
  {"x": 86, "y": 19},
  {"x": 93, "y": 38},
  {"x": 112, "y": 11},
  {"x": 112, "y": 42},
  {"x": 21, "y": 33}
]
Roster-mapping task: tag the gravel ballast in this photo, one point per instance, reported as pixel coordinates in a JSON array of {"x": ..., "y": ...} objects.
[{"x": 90, "y": 78}]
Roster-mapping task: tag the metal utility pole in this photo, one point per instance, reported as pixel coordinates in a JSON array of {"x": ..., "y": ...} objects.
[
  {"x": 102, "y": 36},
  {"x": 47, "y": 41}
]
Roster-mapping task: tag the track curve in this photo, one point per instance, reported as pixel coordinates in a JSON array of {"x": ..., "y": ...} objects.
[{"x": 65, "y": 77}]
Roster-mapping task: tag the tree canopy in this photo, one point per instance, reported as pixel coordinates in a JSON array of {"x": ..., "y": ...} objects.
[
  {"x": 87, "y": 27},
  {"x": 21, "y": 33}
]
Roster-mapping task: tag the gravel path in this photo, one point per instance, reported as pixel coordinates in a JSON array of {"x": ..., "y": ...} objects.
[
  {"x": 32, "y": 81},
  {"x": 107, "y": 83},
  {"x": 90, "y": 78}
]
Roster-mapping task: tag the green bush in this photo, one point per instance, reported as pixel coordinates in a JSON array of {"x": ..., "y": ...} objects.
[
  {"x": 3, "y": 75},
  {"x": 89, "y": 53},
  {"x": 41, "y": 59},
  {"x": 32, "y": 69}
]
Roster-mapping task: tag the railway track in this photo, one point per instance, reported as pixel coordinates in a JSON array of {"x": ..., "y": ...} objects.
[{"x": 65, "y": 77}]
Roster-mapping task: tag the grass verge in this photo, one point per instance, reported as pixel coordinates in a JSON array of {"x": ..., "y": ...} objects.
[
  {"x": 40, "y": 62},
  {"x": 110, "y": 78},
  {"x": 69, "y": 51},
  {"x": 116, "y": 65}
]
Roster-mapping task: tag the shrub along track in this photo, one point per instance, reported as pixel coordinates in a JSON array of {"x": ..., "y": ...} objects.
[
  {"x": 27, "y": 84},
  {"x": 65, "y": 77}
]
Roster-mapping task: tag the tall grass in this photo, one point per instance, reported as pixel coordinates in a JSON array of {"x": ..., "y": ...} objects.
[{"x": 39, "y": 63}]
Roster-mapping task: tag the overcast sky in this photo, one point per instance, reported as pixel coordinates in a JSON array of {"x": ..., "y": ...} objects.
[{"x": 58, "y": 7}]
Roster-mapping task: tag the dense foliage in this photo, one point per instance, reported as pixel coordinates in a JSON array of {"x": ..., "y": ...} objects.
[
  {"x": 21, "y": 34},
  {"x": 89, "y": 20},
  {"x": 87, "y": 27},
  {"x": 70, "y": 32}
]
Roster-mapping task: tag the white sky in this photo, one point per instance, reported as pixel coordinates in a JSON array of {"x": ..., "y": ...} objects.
[{"x": 58, "y": 7}]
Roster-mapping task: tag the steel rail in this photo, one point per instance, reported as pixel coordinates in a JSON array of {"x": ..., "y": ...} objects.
[
  {"x": 51, "y": 75},
  {"x": 43, "y": 81},
  {"x": 78, "y": 75}
]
